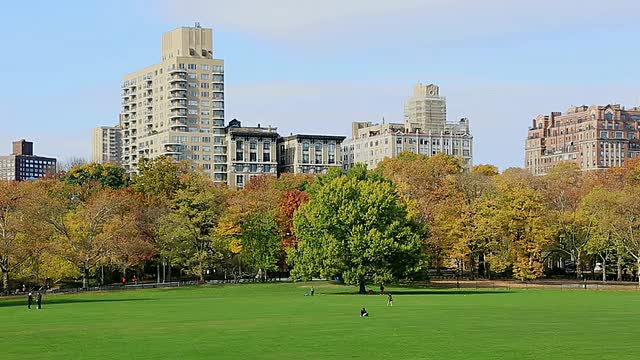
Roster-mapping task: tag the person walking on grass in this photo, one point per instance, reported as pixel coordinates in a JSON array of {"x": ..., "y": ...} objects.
[
  {"x": 312, "y": 291},
  {"x": 39, "y": 301},
  {"x": 381, "y": 288},
  {"x": 389, "y": 299},
  {"x": 29, "y": 300}
]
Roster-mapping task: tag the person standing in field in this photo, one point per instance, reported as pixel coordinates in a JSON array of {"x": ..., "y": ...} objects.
[
  {"x": 29, "y": 301},
  {"x": 312, "y": 291},
  {"x": 389, "y": 299},
  {"x": 381, "y": 288},
  {"x": 39, "y": 301}
]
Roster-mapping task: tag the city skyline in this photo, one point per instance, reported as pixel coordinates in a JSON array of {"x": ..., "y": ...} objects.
[{"x": 500, "y": 74}]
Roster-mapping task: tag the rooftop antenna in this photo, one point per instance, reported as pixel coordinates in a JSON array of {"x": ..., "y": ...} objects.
[{"x": 383, "y": 120}]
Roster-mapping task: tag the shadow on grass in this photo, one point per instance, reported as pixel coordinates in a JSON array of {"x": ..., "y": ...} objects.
[
  {"x": 60, "y": 300},
  {"x": 433, "y": 292}
]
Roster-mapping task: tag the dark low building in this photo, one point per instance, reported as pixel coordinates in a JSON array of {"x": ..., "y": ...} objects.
[
  {"x": 309, "y": 154},
  {"x": 23, "y": 165}
]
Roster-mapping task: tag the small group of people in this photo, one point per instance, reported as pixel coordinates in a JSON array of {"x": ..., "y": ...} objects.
[
  {"x": 365, "y": 313},
  {"x": 38, "y": 300},
  {"x": 134, "y": 279}
]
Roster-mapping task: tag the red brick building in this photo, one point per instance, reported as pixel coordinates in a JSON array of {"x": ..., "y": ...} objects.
[{"x": 595, "y": 137}]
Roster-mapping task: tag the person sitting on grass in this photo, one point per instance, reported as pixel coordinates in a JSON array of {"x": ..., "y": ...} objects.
[{"x": 363, "y": 312}]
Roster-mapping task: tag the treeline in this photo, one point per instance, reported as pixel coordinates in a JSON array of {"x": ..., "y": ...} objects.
[{"x": 411, "y": 214}]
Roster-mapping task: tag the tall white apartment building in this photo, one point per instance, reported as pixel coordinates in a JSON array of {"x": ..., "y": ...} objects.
[
  {"x": 106, "y": 145},
  {"x": 425, "y": 110},
  {"x": 425, "y": 131},
  {"x": 176, "y": 108}
]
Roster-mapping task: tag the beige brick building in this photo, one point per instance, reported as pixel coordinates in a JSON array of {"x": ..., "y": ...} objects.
[
  {"x": 309, "y": 154},
  {"x": 176, "y": 108},
  {"x": 106, "y": 145},
  {"x": 425, "y": 131},
  {"x": 595, "y": 137}
]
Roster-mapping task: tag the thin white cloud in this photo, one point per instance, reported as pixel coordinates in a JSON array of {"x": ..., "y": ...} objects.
[{"x": 366, "y": 22}]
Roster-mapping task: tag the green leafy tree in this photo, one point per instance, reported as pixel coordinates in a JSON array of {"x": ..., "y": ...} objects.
[
  {"x": 108, "y": 175},
  {"x": 261, "y": 242},
  {"x": 186, "y": 234},
  {"x": 356, "y": 226}
]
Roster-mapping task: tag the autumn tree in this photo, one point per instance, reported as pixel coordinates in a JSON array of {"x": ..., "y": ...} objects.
[
  {"x": 562, "y": 189},
  {"x": 521, "y": 214},
  {"x": 357, "y": 226},
  {"x": 85, "y": 225},
  {"x": 14, "y": 242}
]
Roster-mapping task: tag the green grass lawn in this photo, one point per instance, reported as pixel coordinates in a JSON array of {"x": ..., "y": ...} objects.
[{"x": 275, "y": 321}]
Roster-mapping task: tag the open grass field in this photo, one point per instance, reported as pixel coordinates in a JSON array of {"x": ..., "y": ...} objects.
[{"x": 275, "y": 321}]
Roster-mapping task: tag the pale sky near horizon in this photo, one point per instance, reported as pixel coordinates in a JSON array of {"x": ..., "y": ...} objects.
[{"x": 316, "y": 66}]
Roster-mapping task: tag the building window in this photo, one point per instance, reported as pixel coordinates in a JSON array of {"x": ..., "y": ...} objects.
[
  {"x": 305, "y": 146},
  {"x": 318, "y": 158},
  {"x": 266, "y": 168},
  {"x": 192, "y": 76},
  {"x": 253, "y": 156},
  {"x": 239, "y": 168},
  {"x": 204, "y": 85},
  {"x": 253, "y": 168},
  {"x": 239, "y": 180},
  {"x": 192, "y": 66},
  {"x": 619, "y": 135},
  {"x": 266, "y": 156},
  {"x": 608, "y": 116},
  {"x": 604, "y": 134},
  {"x": 305, "y": 158},
  {"x": 204, "y": 76},
  {"x": 239, "y": 150},
  {"x": 204, "y": 67}
]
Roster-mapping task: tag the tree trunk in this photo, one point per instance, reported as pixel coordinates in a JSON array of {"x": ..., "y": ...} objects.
[
  {"x": 619, "y": 268},
  {"x": 578, "y": 270},
  {"x": 85, "y": 277},
  {"x": 363, "y": 289},
  {"x": 5, "y": 281},
  {"x": 638, "y": 265},
  {"x": 604, "y": 269}
]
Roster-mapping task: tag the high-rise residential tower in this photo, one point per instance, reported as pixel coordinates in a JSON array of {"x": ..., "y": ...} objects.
[
  {"x": 176, "y": 108},
  {"x": 106, "y": 145},
  {"x": 425, "y": 110}
]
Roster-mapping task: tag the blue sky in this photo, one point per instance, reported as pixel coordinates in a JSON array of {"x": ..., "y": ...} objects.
[{"x": 316, "y": 66}]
